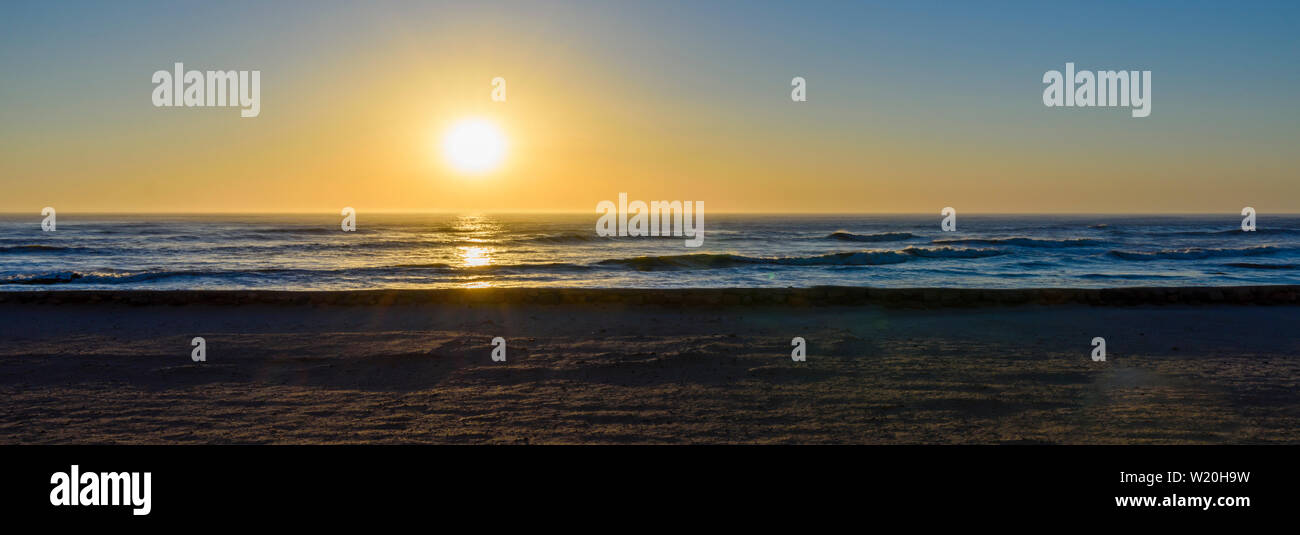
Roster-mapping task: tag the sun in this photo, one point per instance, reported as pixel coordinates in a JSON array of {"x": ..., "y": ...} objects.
[{"x": 474, "y": 146}]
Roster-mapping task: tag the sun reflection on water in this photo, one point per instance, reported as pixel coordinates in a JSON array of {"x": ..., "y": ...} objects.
[
  {"x": 476, "y": 229},
  {"x": 475, "y": 256}
]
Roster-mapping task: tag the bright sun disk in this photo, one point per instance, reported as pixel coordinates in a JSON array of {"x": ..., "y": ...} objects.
[{"x": 474, "y": 146}]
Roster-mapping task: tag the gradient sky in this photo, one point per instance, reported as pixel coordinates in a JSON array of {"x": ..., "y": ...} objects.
[{"x": 912, "y": 106}]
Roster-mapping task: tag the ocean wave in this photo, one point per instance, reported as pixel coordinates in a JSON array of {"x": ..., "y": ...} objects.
[
  {"x": 64, "y": 277},
  {"x": 343, "y": 245},
  {"x": 418, "y": 242},
  {"x": 281, "y": 231},
  {"x": 1023, "y": 242},
  {"x": 1262, "y": 231},
  {"x": 1194, "y": 233},
  {"x": 403, "y": 270},
  {"x": 559, "y": 238},
  {"x": 549, "y": 267},
  {"x": 843, "y": 235},
  {"x": 686, "y": 261},
  {"x": 1252, "y": 265},
  {"x": 588, "y": 237},
  {"x": 951, "y": 252},
  {"x": 39, "y": 249},
  {"x": 860, "y": 258},
  {"x": 431, "y": 265},
  {"x": 126, "y": 277},
  {"x": 44, "y": 278},
  {"x": 1129, "y": 276},
  {"x": 1193, "y": 253}
]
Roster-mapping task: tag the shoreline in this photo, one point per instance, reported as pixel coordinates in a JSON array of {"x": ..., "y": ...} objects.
[{"x": 678, "y": 297}]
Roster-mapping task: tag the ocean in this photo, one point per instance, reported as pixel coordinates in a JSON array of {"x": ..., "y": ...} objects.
[{"x": 310, "y": 252}]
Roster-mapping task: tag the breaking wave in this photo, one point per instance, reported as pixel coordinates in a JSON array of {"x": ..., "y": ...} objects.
[
  {"x": 1023, "y": 242},
  {"x": 881, "y": 237},
  {"x": 1193, "y": 253},
  {"x": 860, "y": 258}
]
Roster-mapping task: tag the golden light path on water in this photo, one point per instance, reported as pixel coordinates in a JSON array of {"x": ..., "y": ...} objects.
[{"x": 478, "y": 229}]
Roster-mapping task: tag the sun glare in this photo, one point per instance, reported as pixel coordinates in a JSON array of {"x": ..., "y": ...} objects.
[
  {"x": 474, "y": 146},
  {"x": 475, "y": 256}
]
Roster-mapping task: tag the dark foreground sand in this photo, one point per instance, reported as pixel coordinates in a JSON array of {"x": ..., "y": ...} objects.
[{"x": 651, "y": 367}]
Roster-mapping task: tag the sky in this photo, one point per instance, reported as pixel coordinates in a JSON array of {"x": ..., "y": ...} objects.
[{"x": 911, "y": 106}]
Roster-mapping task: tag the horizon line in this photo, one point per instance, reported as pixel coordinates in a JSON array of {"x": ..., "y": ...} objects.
[{"x": 534, "y": 212}]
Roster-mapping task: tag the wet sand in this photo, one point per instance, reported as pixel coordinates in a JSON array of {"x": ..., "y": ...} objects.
[{"x": 680, "y": 367}]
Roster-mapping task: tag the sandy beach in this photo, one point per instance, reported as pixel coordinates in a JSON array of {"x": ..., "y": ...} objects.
[{"x": 924, "y": 366}]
